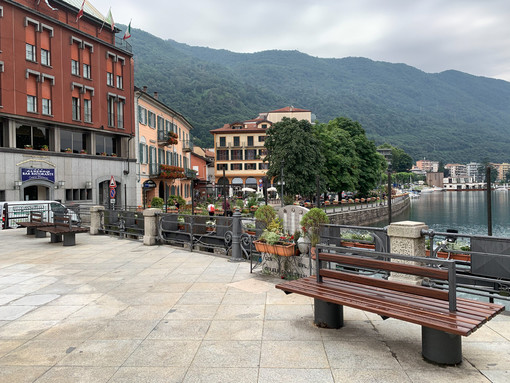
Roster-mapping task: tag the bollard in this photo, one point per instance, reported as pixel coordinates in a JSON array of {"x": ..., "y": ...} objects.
[
  {"x": 236, "y": 234},
  {"x": 150, "y": 216},
  {"x": 96, "y": 213}
]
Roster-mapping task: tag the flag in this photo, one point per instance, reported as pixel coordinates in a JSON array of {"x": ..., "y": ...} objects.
[
  {"x": 109, "y": 19},
  {"x": 80, "y": 12},
  {"x": 127, "y": 35}
]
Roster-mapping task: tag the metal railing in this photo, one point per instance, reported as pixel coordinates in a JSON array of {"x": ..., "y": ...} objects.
[{"x": 127, "y": 224}]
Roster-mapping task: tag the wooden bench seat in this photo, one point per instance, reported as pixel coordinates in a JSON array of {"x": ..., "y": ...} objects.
[
  {"x": 36, "y": 221},
  {"x": 443, "y": 316},
  {"x": 62, "y": 228}
]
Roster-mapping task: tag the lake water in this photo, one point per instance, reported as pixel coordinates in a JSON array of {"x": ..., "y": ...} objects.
[{"x": 463, "y": 211}]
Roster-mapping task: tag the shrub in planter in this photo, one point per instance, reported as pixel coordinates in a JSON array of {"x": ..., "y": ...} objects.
[
  {"x": 311, "y": 223},
  {"x": 157, "y": 202},
  {"x": 266, "y": 214}
]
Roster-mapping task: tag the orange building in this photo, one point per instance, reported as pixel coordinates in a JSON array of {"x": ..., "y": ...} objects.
[{"x": 164, "y": 150}]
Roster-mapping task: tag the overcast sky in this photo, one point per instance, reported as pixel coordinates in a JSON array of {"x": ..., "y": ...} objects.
[{"x": 472, "y": 36}]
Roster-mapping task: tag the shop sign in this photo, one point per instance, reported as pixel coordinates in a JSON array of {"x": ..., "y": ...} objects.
[{"x": 37, "y": 174}]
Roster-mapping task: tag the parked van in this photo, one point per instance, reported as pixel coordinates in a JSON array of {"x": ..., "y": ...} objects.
[{"x": 19, "y": 211}]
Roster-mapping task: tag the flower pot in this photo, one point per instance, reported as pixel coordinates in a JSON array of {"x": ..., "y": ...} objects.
[
  {"x": 303, "y": 244},
  {"x": 180, "y": 226},
  {"x": 209, "y": 228},
  {"x": 281, "y": 250},
  {"x": 250, "y": 232},
  {"x": 358, "y": 245}
]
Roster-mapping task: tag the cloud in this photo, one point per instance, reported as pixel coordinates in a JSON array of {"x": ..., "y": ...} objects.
[{"x": 433, "y": 35}]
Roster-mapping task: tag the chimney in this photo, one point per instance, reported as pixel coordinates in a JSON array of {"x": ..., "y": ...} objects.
[
  {"x": 144, "y": 88},
  {"x": 156, "y": 95}
]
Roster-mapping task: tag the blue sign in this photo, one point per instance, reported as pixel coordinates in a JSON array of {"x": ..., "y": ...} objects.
[
  {"x": 37, "y": 174},
  {"x": 112, "y": 193}
]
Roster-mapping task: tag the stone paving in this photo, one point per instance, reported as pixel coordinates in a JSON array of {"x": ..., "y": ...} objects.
[{"x": 110, "y": 310}]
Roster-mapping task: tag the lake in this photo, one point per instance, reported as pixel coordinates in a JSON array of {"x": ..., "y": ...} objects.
[{"x": 463, "y": 211}]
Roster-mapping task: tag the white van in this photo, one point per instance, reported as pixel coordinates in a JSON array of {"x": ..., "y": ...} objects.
[{"x": 19, "y": 211}]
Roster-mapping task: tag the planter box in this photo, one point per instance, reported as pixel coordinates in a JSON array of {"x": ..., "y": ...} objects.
[
  {"x": 358, "y": 245},
  {"x": 445, "y": 255},
  {"x": 250, "y": 232},
  {"x": 281, "y": 250}
]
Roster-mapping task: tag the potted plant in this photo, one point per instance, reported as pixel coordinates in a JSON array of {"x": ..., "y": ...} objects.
[
  {"x": 274, "y": 241},
  {"x": 68, "y": 150},
  {"x": 44, "y": 148},
  {"x": 114, "y": 154},
  {"x": 103, "y": 154},
  {"x": 250, "y": 228},
  {"x": 311, "y": 223},
  {"x": 83, "y": 151},
  {"x": 210, "y": 225},
  {"x": 28, "y": 147},
  {"x": 266, "y": 214},
  {"x": 180, "y": 222}
]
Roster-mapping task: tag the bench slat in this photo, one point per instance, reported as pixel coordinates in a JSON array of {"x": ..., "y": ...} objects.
[
  {"x": 393, "y": 304},
  {"x": 396, "y": 286},
  {"x": 375, "y": 264}
]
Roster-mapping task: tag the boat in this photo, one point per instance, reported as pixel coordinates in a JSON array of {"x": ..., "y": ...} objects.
[{"x": 501, "y": 188}]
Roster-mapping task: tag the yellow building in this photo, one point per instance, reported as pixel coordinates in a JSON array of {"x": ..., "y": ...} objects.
[
  {"x": 155, "y": 123},
  {"x": 239, "y": 148}
]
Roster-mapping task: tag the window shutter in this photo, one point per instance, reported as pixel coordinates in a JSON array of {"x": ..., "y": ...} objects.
[
  {"x": 75, "y": 55},
  {"x": 31, "y": 86},
  {"x": 30, "y": 34},
  {"x": 46, "y": 90},
  {"x": 45, "y": 40}
]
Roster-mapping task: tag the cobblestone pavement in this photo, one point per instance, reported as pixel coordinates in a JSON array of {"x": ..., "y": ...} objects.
[{"x": 110, "y": 310}]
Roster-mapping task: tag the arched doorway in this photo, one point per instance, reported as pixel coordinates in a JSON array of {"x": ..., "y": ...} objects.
[
  {"x": 237, "y": 185},
  {"x": 161, "y": 190},
  {"x": 251, "y": 183},
  {"x": 37, "y": 189}
]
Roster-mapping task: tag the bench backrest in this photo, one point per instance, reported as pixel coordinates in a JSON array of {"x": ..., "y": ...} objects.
[
  {"x": 375, "y": 261},
  {"x": 36, "y": 216},
  {"x": 62, "y": 221}
]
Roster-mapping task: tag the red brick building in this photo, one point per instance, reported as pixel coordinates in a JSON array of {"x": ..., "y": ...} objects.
[{"x": 66, "y": 86}]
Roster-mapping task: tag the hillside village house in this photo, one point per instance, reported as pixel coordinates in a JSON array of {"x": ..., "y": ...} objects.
[
  {"x": 239, "y": 149},
  {"x": 66, "y": 105},
  {"x": 163, "y": 151}
]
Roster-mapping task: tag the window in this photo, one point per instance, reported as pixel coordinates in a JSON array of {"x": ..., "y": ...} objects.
[
  {"x": 109, "y": 70},
  {"x": 46, "y": 34},
  {"x": 237, "y": 155},
  {"x": 161, "y": 156},
  {"x": 223, "y": 141},
  {"x": 105, "y": 144},
  {"x": 111, "y": 110},
  {"x": 118, "y": 72},
  {"x": 142, "y": 115},
  {"x": 46, "y": 96},
  {"x": 87, "y": 110},
  {"x": 86, "y": 61},
  {"x": 262, "y": 138},
  {"x": 31, "y": 135},
  {"x": 75, "y": 141},
  {"x": 222, "y": 155},
  {"x": 236, "y": 166},
  {"x": 264, "y": 126},
  {"x": 120, "y": 114},
  {"x": 250, "y": 166},
  {"x": 30, "y": 40},
  {"x": 250, "y": 140},
  {"x": 1, "y": 71},
  {"x": 263, "y": 166},
  {"x": 222, "y": 166},
  {"x": 250, "y": 154},
  {"x": 76, "y": 108},
  {"x": 236, "y": 141},
  {"x": 152, "y": 119},
  {"x": 32, "y": 93},
  {"x": 75, "y": 56},
  {"x": 143, "y": 151},
  {"x": 262, "y": 152}
]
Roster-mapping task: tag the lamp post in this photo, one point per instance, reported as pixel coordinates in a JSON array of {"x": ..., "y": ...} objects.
[
  {"x": 281, "y": 181},
  {"x": 387, "y": 156}
]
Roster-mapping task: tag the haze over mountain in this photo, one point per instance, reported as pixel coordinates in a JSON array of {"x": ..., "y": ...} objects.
[{"x": 450, "y": 116}]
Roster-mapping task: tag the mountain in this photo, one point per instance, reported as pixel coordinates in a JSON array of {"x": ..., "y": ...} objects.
[{"x": 449, "y": 116}]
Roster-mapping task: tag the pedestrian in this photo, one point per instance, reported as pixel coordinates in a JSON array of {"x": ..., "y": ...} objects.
[
  {"x": 226, "y": 208},
  {"x": 211, "y": 209},
  {"x": 176, "y": 204}
]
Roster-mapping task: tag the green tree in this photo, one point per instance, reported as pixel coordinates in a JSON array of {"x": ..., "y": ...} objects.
[
  {"x": 292, "y": 144},
  {"x": 507, "y": 176},
  {"x": 400, "y": 160}
]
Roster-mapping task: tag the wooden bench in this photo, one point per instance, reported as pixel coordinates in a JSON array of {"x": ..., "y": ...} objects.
[
  {"x": 444, "y": 317},
  {"x": 62, "y": 228},
  {"x": 36, "y": 221}
]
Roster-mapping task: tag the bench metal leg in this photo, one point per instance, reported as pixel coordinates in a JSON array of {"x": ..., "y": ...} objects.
[
  {"x": 69, "y": 239},
  {"x": 440, "y": 347},
  {"x": 328, "y": 315},
  {"x": 55, "y": 238},
  {"x": 30, "y": 230},
  {"x": 40, "y": 234}
]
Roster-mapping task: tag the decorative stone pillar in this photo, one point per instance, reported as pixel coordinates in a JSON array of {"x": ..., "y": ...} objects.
[
  {"x": 96, "y": 217},
  {"x": 150, "y": 217},
  {"x": 406, "y": 239}
]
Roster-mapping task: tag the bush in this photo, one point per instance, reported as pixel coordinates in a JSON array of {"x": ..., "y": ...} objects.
[
  {"x": 180, "y": 200},
  {"x": 312, "y": 221},
  {"x": 157, "y": 202},
  {"x": 288, "y": 199},
  {"x": 265, "y": 214}
]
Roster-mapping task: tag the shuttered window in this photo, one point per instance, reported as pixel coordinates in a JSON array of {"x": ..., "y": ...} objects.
[
  {"x": 86, "y": 63},
  {"x": 31, "y": 94},
  {"x": 30, "y": 42}
]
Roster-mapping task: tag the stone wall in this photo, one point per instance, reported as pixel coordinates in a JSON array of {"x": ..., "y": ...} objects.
[{"x": 370, "y": 215}]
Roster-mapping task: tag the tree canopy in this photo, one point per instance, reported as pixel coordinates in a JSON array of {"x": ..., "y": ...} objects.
[{"x": 400, "y": 160}]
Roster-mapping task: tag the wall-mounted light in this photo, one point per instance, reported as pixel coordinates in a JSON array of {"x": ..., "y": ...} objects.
[
  {"x": 88, "y": 184},
  {"x": 61, "y": 184},
  {"x": 17, "y": 184}
]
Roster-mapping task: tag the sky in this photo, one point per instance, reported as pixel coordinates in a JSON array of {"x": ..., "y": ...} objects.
[{"x": 472, "y": 36}]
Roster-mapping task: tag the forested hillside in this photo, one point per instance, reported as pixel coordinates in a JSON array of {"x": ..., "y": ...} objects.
[{"x": 450, "y": 116}]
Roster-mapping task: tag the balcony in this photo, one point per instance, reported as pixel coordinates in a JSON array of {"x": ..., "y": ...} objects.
[
  {"x": 187, "y": 146},
  {"x": 123, "y": 44},
  {"x": 190, "y": 174},
  {"x": 167, "y": 138},
  {"x": 153, "y": 170}
]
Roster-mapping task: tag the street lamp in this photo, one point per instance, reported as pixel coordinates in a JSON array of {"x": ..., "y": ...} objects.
[
  {"x": 281, "y": 181},
  {"x": 387, "y": 155}
]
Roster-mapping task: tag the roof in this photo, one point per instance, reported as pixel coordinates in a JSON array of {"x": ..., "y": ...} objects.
[
  {"x": 88, "y": 8},
  {"x": 289, "y": 109}
]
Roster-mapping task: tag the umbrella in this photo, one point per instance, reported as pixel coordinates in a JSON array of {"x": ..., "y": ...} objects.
[
  {"x": 249, "y": 190},
  {"x": 272, "y": 188}
]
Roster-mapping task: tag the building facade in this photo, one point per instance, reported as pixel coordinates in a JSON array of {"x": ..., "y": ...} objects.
[
  {"x": 66, "y": 110},
  {"x": 240, "y": 152},
  {"x": 164, "y": 147}
]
